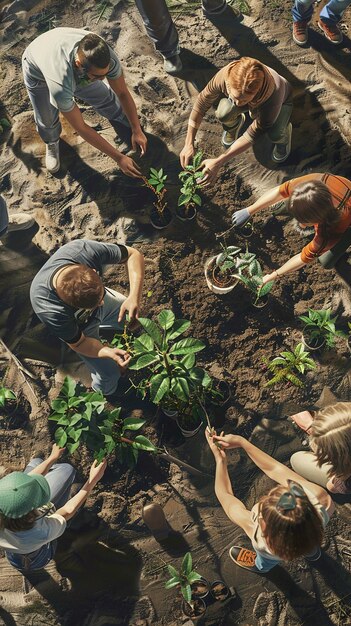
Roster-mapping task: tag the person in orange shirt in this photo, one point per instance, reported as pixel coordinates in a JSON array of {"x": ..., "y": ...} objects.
[{"x": 319, "y": 200}]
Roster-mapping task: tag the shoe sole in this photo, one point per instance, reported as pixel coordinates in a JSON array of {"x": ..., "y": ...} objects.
[
  {"x": 20, "y": 227},
  {"x": 240, "y": 125},
  {"x": 289, "y": 148},
  {"x": 336, "y": 43},
  {"x": 300, "y": 43}
]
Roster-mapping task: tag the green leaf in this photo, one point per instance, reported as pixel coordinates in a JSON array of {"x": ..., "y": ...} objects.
[
  {"x": 159, "y": 388},
  {"x": 69, "y": 387},
  {"x": 187, "y": 564},
  {"x": 172, "y": 582},
  {"x": 144, "y": 361},
  {"x": 72, "y": 447},
  {"x": 183, "y": 199},
  {"x": 5, "y": 123},
  {"x": 193, "y": 577},
  {"x": 180, "y": 388},
  {"x": 152, "y": 329},
  {"x": 179, "y": 327},
  {"x": 61, "y": 437},
  {"x": 197, "y": 199},
  {"x": 133, "y": 423},
  {"x": 172, "y": 571},
  {"x": 187, "y": 346},
  {"x": 166, "y": 319},
  {"x": 60, "y": 406},
  {"x": 186, "y": 592},
  {"x": 188, "y": 360},
  {"x": 142, "y": 443},
  {"x": 144, "y": 343},
  {"x": 9, "y": 395}
]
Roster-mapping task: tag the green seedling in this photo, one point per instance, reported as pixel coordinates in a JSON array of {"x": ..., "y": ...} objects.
[
  {"x": 288, "y": 365},
  {"x": 156, "y": 182},
  {"x": 183, "y": 578},
  {"x": 321, "y": 326},
  {"x": 189, "y": 178},
  {"x": 249, "y": 272},
  {"x": 6, "y": 395}
]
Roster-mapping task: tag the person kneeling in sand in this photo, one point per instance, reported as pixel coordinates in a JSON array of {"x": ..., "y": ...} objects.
[
  {"x": 320, "y": 201},
  {"x": 285, "y": 524},
  {"x": 247, "y": 85},
  {"x": 68, "y": 295},
  {"x": 35, "y": 506},
  {"x": 329, "y": 463},
  {"x": 68, "y": 63}
]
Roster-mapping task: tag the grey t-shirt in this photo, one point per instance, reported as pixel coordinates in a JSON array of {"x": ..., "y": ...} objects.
[
  {"x": 50, "y": 58},
  {"x": 62, "y": 319}
]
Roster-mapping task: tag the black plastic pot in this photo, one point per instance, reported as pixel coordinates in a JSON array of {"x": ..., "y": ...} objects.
[
  {"x": 160, "y": 220},
  {"x": 259, "y": 303},
  {"x": 200, "y": 588},
  {"x": 224, "y": 388},
  {"x": 247, "y": 230},
  {"x": 313, "y": 344},
  {"x": 186, "y": 215},
  {"x": 220, "y": 590},
  {"x": 197, "y": 610}
]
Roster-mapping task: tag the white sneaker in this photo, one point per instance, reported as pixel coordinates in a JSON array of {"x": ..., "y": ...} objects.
[
  {"x": 20, "y": 221},
  {"x": 52, "y": 158}
]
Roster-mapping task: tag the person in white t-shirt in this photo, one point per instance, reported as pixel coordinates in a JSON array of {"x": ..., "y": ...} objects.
[
  {"x": 285, "y": 524},
  {"x": 35, "y": 508},
  {"x": 65, "y": 63}
]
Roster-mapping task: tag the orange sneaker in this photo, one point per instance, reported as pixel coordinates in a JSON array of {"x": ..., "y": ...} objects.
[
  {"x": 331, "y": 31},
  {"x": 244, "y": 558},
  {"x": 300, "y": 32}
]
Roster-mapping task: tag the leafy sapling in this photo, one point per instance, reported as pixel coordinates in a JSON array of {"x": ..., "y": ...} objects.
[
  {"x": 288, "y": 365},
  {"x": 183, "y": 578},
  {"x": 320, "y": 328},
  {"x": 189, "y": 177},
  {"x": 226, "y": 260},
  {"x": 156, "y": 182},
  {"x": 6, "y": 395},
  {"x": 249, "y": 272}
]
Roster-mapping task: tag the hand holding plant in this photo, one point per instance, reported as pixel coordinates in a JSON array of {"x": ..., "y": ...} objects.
[
  {"x": 97, "y": 471},
  {"x": 228, "y": 442},
  {"x": 56, "y": 452},
  {"x": 217, "y": 451}
]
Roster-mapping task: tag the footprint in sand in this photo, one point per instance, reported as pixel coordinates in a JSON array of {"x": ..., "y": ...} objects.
[{"x": 270, "y": 610}]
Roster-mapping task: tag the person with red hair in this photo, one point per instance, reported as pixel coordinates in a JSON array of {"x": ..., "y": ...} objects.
[{"x": 243, "y": 85}]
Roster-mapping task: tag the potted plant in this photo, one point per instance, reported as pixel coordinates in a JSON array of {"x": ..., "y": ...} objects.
[
  {"x": 249, "y": 272},
  {"x": 8, "y": 400},
  {"x": 220, "y": 590},
  {"x": 349, "y": 336},
  {"x": 160, "y": 216},
  {"x": 247, "y": 230},
  {"x": 184, "y": 579},
  {"x": 219, "y": 270},
  {"x": 82, "y": 418},
  {"x": 288, "y": 365},
  {"x": 172, "y": 380},
  {"x": 319, "y": 329},
  {"x": 189, "y": 199}
]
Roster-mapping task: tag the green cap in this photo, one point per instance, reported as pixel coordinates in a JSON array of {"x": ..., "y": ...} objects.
[{"x": 21, "y": 493}]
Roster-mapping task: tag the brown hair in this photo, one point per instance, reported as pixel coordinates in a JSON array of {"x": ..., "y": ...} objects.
[
  {"x": 247, "y": 76},
  {"x": 293, "y": 533},
  {"x": 311, "y": 202},
  {"x": 81, "y": 287},
  {"x": 331, "y": 438},
  {"x": 26, "y": 522},
  {"x": 95, "y": 51}
]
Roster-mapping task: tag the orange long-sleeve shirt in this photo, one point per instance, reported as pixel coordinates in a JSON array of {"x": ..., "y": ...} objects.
[{"x": 340, "y": 189}]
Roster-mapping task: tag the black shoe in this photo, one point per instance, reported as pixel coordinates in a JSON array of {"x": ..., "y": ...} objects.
[{"x": 173, "y": 65}]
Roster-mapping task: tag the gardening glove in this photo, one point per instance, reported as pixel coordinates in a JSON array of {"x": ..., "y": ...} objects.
[{"x": 239, "y": 218}]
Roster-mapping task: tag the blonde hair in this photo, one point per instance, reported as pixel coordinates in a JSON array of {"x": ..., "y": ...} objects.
[
  {"x": 290, "y": 533},
  {"x": 331, "y": 438}
]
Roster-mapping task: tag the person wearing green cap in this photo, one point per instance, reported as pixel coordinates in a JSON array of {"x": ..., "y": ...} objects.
[{"x": 35, "y": 507}]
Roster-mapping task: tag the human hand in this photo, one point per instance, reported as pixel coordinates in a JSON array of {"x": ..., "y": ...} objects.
[
  {"x": 131, "y": 306},
  {"x": 241, "y": 217},
  {"x": 267, "y": 278},
  {"x": 97, "y": 471},
  {"x": 229, "y": 441},
  {"x": 210, "y": 169},
  {"x": 217, "y": 451},
  {"x": 56, "y": 452},
  {"x": 139, "y": 141},
  {"x": 128, "y": 166},
  {"x": 121, "y": 357},
  {"x": 186, "y": 155}
]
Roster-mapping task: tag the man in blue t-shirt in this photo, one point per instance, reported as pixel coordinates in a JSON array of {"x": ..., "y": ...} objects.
[
  {"x": 65, "y": 63},
  {"x": 69, "y": 297}
]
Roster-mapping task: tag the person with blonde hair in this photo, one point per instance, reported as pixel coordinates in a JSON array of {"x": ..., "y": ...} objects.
[
  {"x": 320, "y": 201},
  {"x": 285, "y": 524},
  {"x": 245, "y": 85},
  {"x": 329, "y": 463}
]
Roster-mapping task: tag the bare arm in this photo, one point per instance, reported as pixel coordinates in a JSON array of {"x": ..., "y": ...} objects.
[
  {"x": 125, "y": 163},
  {"x": 73, "y": 505},
  {"x": 46, "y": 465},
  {"x": 292, "y": 265},
  {"x": 135, "y": 268},
  {"x": 119, "y": 86}
]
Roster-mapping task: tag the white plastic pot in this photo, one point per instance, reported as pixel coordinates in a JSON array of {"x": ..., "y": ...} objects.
[
  {"x": 221, "y": 291},
  {"x": 188, "y": 433}
]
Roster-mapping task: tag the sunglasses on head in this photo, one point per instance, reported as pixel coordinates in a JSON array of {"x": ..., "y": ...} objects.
[{"x": 287, "y": 501}]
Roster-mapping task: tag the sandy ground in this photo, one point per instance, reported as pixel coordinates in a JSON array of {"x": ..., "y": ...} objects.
[{"x": 109, "y": 570}]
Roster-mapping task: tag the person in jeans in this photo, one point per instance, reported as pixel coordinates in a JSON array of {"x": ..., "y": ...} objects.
[
  {"x": 329, "y": 17},
  {"x": 285, "y": 524},
  {"x": 162, "y": 31},
  {"x": 320, "y": 201},
  {"x": 35, "y": 506},
  {"x": 241, "y": 86},
  {"x": 69, "y": 297},
  {"x": 329, "y": 463},
  {"x": 17, "y": 221},
  {"x": 67, "y": 63}
]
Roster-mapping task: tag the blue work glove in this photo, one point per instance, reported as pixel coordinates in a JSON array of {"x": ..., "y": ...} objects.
[{"x": 239, "y": 218}]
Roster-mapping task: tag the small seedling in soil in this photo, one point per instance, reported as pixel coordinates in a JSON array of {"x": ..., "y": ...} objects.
[
  {"x": 249, "y": 271},
  {"x": 82, "y": 418},
  {"x": 288, "y": 365},
  {"x": 183, "y": 578},
  {"x": 6, "y": 395},
  {"x": 160, "y": 215},
  {"x": 189, "y": 198},
  {"x": 320, "y": 328}
]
